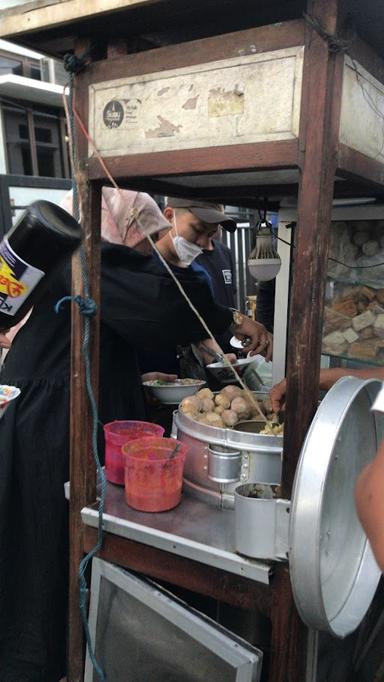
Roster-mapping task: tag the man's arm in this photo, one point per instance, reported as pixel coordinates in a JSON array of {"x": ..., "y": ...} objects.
[
  {"x": 369, "y": 495},
  {"x": 328, "y": 377}
]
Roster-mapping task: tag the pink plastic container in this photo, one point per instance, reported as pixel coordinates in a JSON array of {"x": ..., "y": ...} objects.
[
  {"x": 117, "y": 434},
  {"x": 154, "y": 473}
]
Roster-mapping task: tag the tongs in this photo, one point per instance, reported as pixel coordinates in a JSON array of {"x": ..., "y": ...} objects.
[{"x": 218, "y": 357}]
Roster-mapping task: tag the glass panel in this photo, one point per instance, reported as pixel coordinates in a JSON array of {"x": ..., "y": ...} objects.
[
  {"x": 10, "y": 66},
  {"x": 47, "y": 135},
  {"x": 47, "y": 162},
  {"x": 43, "y": 134},
  {"x": 17, "y": 137},
  {"x": 35, "y": 72},
  {"x": 354, "y": 306}
]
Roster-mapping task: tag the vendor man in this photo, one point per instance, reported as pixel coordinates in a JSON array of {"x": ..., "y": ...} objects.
[{"x": 194, "y": 223}]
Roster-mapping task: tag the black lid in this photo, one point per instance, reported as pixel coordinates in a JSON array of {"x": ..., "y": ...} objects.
[{"x": 53, "y": 217}]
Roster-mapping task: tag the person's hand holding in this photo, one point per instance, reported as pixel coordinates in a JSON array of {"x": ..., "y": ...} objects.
[
  {"x": 208, "y": 344},
  {"x": 158, "y": 376},
  {"x": 260, "y": 340},
  {"x": 277, "y": 396}
]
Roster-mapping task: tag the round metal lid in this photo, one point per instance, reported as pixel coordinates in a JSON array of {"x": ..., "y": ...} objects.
[{"x": 333, "y": 572}]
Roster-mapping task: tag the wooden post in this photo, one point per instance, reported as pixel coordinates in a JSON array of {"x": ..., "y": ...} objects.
[
  {"x": 82, "y": 468},
  {"x": 318, "y": 145}
]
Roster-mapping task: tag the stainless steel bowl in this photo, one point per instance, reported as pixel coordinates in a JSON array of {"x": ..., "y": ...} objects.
[{"x": 256, "y": 457}]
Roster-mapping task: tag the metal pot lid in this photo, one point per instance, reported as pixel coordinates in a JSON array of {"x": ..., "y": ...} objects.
[{"x": 333, "y": 572}]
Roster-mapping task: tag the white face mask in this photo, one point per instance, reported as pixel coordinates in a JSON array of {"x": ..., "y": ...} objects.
[{"x": 186, "y": 251}]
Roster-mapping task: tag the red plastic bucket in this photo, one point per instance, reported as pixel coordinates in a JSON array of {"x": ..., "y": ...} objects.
[
  {"x": 117, "y": 434},
  {"x": 154, "y": 473}
]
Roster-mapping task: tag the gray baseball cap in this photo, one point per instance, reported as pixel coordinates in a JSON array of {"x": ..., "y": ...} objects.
[{"x": 207, "y": 211}]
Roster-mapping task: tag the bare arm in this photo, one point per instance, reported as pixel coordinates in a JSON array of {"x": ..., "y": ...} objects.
[
  {"x": 369, "y": 494},
  {"x": 328, "y": 377}
]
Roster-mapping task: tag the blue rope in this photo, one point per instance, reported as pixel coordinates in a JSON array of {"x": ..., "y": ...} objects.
[{"x": 87, "y": 308}]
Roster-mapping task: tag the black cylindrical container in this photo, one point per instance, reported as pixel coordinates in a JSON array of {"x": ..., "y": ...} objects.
[{"x": 30, "y": 253}]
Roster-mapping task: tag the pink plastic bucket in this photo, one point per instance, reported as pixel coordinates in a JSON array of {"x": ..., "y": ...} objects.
[
  {"x": 117, "y": 434},
  {"x": 154, "y": 473}
]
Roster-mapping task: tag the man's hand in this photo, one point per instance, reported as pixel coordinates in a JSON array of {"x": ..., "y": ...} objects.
[
  {"x": 208, "y": 345},
  {"x": 158, "y": 376},
  {"x": 4, "y": 341},
  {"x": 261, "y": 341},
  {"x": 277, "y": 396}
]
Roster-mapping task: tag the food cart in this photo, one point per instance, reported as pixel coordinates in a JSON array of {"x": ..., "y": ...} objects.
[{"x": 220, "y": 100}]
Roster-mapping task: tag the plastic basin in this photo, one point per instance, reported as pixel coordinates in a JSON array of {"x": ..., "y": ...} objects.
[
  {"x": 154, "y": 473},
  {"x": 117, "y": 434}
]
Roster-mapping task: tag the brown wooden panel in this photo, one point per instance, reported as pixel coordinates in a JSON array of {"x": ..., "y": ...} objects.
[
  {"x": 191, "y": 575},
  {"x": 251, "y": 41},
  {"x": 261, "y": 155},
  {"x": 354, "y": 165}
]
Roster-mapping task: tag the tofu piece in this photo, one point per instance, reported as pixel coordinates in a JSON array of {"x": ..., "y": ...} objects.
[
  {"x": 366, "y": 333},
  {"x": 334, "y": 343},
  {"x": 378, "y": 326},
  {"x": 365, "y": 349},
  {"x": 350, "y": 335},
  {"x": 366, "y": 319}
]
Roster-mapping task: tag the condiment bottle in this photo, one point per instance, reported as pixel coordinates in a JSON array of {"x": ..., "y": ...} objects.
[{"x": 30, "y": 253}]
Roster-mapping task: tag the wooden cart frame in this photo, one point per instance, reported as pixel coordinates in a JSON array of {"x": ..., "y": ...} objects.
[{"x": 319, "y": 157}]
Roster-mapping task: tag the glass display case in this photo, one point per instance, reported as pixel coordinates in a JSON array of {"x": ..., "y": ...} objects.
[{"x": 353, "y": 323}]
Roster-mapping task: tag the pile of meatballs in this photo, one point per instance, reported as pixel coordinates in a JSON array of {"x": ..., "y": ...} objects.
[{"x": 226, "y": 408}]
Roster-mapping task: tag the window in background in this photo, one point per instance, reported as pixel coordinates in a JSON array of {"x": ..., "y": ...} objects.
[
  {"x": 36, "y": 142},
  {"x": 20, "y": 66},
  {"x": 9, "y": 65}
]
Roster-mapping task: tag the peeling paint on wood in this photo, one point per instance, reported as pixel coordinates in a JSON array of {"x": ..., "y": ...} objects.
[
  {"x": 164, "y": 129},
  {"x": 222, "y": 102},
  {"x": 240, "y": 100},
  {"x": 191, "y": 103}
]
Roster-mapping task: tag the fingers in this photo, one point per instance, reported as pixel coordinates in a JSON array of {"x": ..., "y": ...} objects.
[
  {"x": 277, "y": 396},
  {"x": 157, "y": 376},
  {"x": 264, "y": 346},
  {"x": 231, "y": 357}
]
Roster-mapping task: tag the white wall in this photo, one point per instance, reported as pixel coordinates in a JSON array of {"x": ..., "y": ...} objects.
[
  {"x": 23, "y": 196},
  {"x": 3, "y": 161},
  {"x": 17, "y": 49}
]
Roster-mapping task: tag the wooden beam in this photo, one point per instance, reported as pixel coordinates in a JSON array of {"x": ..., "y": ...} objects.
[
  {"x": 358, "y": 167},
  {"x": 250, "y": 41},
  {"x": 45, "y": 14},
  {"x": 185, "y": 573},
  {"x": 319, "y": 127},
  {"x": 258, "y": 156}
]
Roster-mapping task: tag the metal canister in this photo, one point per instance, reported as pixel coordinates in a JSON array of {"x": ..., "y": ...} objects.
[{"x": 224, "y": 464}]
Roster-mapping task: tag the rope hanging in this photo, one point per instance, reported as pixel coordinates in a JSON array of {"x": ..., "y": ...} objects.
[{"x": 335, "y": 44}]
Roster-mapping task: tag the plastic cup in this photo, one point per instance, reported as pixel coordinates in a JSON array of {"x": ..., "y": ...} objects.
[
  {"x": 154, "y": 473},
  {"x": 117, "y": 434}
]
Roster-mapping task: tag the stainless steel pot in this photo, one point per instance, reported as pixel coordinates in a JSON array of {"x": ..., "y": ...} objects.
[{"x": 218, "y": 459}]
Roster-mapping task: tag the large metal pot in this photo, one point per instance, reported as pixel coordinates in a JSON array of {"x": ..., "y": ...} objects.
[{"x": 218, "y": 459}]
